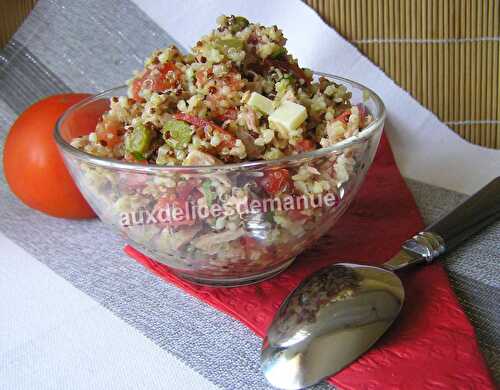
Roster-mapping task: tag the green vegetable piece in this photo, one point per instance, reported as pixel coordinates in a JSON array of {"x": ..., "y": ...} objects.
[
  {"x": 269, "y": 217},
  {"x": 139, "y": 140},
  {"x": 238, "y": 23},
  {"x": 209, "y": 194},
  {"x": 180, "y": 132},
  {"x": 138, "y": 156},
  {"x": 366, "y": 95},
  {"x": 278, "y": 53},
  {"x": 227, "y": 43}
]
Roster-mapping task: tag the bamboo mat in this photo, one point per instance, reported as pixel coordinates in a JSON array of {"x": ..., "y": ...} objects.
[
  {"x": 12, "y": 14},
  {"x": 446, "y": 53}
]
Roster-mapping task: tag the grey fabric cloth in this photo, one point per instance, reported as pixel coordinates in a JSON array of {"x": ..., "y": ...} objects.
[{"x": 69, "y": 46}]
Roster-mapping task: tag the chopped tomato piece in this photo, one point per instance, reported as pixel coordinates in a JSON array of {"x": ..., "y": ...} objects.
[
  {"x": 304, "y": 145},
  {"x": 344, "y": 117},
  {"x": 109, "y": 133},
  {"x": 230, "y": 113},
  {"x": 185, "y": 189},
  {"x": 249, "y": 242},
  {"x": 136, "y": 88},
  {"x": 276, "y": 181},
  {"x": 156, "y": 79},
  {"x": 296, "y": 215}
]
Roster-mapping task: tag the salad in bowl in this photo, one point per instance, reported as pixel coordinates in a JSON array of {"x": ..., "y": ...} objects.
[{"x": 227, "y": 162}]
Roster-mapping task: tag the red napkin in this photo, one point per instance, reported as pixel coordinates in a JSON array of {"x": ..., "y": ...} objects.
[{"x": 432, "y": 345}]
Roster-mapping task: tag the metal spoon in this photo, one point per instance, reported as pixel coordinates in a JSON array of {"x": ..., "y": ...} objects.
[{"x": 339, "y": 312}]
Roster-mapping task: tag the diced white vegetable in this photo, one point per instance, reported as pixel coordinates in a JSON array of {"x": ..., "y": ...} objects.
[
  {"x": 195, "y": 157},
  {"x": 210, "y": 242},
  {"x": 261, "y": 103},
  {"x": 288, "y": 115}
]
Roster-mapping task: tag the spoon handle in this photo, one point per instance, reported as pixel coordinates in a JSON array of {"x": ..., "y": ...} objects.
[{"x": 474, "y": 214}]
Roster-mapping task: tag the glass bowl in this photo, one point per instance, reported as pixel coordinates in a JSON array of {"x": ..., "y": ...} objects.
[{"x": 222, "y": 225}]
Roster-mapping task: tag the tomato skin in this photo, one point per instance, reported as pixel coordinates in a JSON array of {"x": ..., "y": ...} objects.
[{"x": 33, "y": 167}]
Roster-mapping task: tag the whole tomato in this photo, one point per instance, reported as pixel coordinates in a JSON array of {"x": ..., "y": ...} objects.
[{"x": 33, "y": 166}]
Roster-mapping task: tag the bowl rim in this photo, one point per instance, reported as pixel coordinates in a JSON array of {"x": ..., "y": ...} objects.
[{"x": 296, "y": 158}]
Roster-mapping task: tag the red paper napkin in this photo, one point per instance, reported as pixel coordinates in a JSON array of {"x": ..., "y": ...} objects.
[{"x": 431, "y": 346}]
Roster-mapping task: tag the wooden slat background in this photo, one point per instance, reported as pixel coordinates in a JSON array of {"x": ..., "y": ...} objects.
[
  {"x": 12, "y": 14},
  {"x": 446, "y": 53}
]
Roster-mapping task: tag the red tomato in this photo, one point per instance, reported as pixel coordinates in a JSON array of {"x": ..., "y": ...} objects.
[
  {"x": 157, "y": 81},
  {"x": 110, "y": 134},
  {"x": 304, "y": 145},
  {"x": 185, "y": 189},
  {"x": 276, "y": 181},
  {"x": 33, "y": 166}
]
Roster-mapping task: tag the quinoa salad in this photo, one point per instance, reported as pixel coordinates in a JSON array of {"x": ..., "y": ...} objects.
[{"x": 237, "y": 96}]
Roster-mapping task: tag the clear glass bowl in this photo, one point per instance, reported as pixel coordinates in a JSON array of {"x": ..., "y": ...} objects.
[{"x": 246, "y": 234}]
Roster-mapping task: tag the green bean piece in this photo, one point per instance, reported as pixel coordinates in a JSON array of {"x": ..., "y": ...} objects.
[{"x": 139, "y": 140}]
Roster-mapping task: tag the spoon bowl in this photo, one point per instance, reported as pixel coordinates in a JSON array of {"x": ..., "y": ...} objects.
[{"x": 328, "y": 321}]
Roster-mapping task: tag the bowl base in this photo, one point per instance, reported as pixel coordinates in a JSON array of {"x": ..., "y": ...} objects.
[{"x": 234, "y": 282}]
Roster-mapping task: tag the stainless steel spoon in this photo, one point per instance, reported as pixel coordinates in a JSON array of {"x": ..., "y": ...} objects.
[{"x": 339, "y": 312}]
